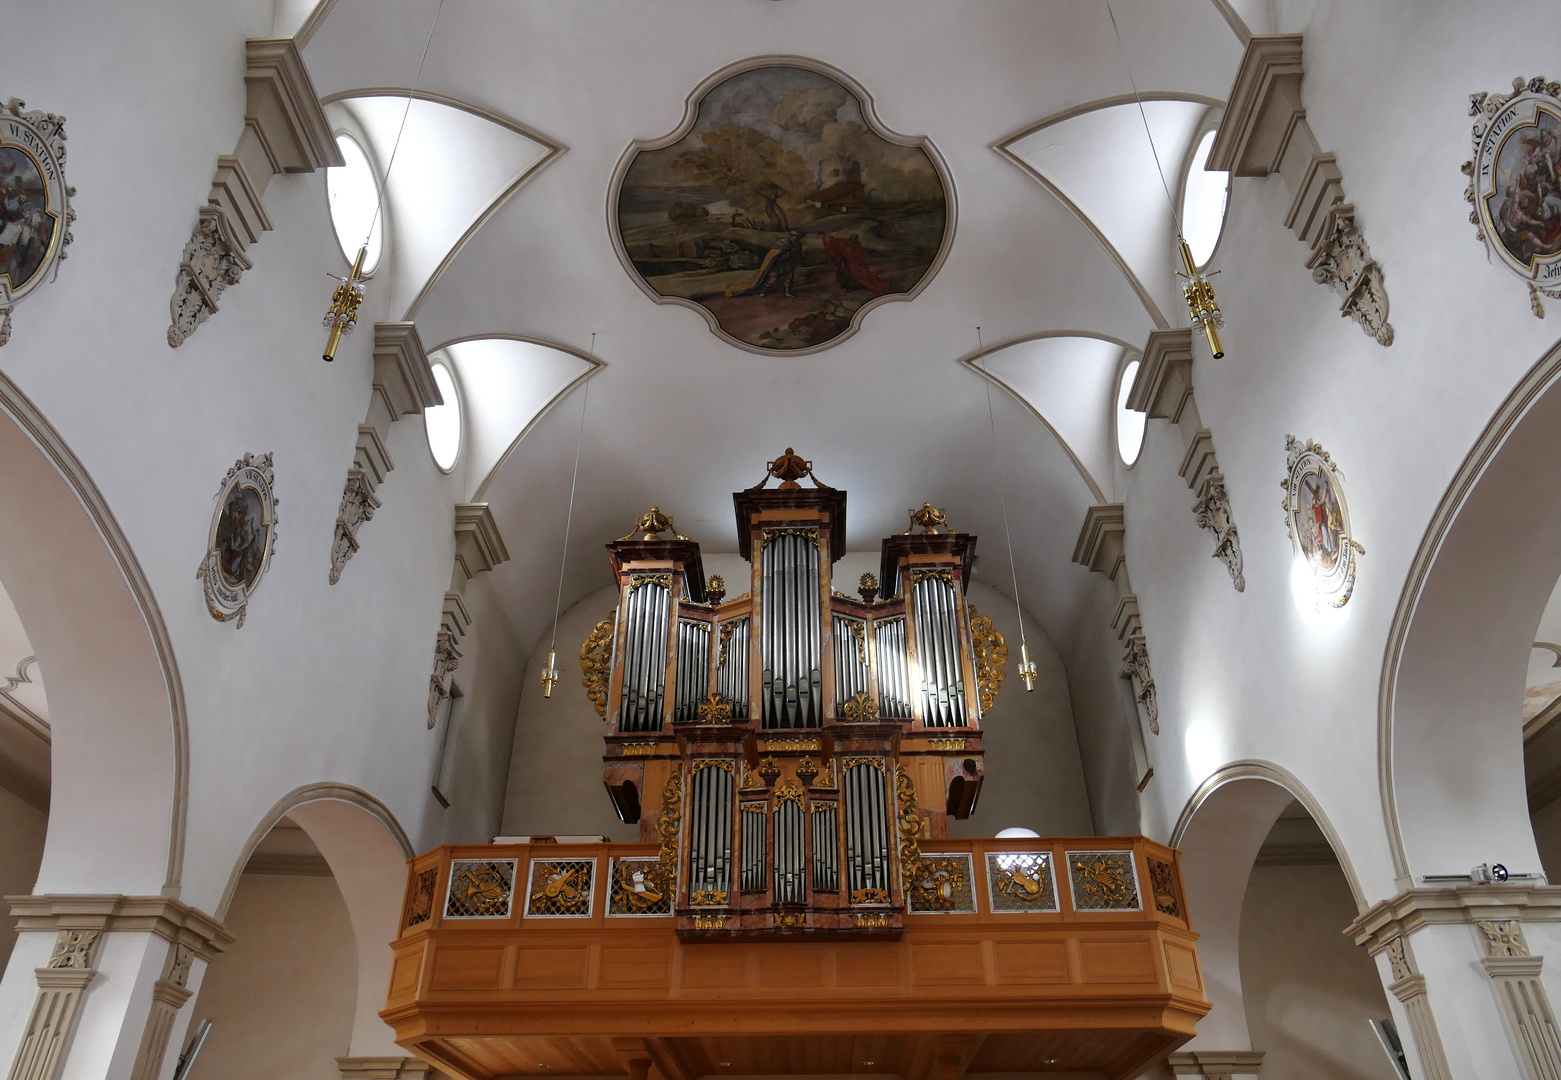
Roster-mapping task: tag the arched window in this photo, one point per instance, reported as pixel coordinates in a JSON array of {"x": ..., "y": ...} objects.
[
  {"x": 1204, "y": 197},
  {"x": 443, "y": 422},
  {"x": 1130, "y": 424},
  {"x": 353, "y": 192}
]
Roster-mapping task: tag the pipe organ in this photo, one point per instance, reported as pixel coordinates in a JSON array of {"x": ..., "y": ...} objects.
[
  {"x": 794, "y": 904},
  {"x": 812, "y": 737}
]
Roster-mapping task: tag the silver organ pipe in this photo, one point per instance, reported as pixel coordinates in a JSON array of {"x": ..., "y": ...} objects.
[
  {"x": 867, "y": 828},
  {"x": 826, "y": 848},
  {"x": 754, "y": 852},
  {"x": 792, "y": 677},
  {"x": 710, "y": 835},
  {"x": 731, "y": 674},
  {"x": 937, "y": 651},
  {"x": 693, "y": 672},
  {"x": 851, "y": 672},
  {"x": 645, "y": 657},
  {"x": 790, "y": 860},
  {"x": 889, "y": 663}
]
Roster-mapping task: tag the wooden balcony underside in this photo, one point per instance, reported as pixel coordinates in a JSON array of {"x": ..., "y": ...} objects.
[{"x": 1064, "y": 992}]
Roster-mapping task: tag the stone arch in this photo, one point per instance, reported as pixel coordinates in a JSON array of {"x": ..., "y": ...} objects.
[
  {"x": 1220, "y": 832},
  {"x": 1450, "y": 754},
  {"x": 116, "y": 700},
  {"x": 367, "y": 851}
]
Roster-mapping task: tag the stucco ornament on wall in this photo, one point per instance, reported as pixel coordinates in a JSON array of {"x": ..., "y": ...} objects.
[
  {"x": 242, "y": 538},
  {"x": 1515, "y": 182},
  {"x": 35, "y": 213},
  {"x": 1319, "y": 521}
]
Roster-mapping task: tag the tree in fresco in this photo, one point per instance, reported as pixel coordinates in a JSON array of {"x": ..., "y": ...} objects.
[{"x": 751, "y": 168}]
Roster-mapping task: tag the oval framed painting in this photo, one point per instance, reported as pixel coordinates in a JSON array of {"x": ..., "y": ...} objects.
[
  {"x": 241, "y": 539},
  {"x": 1319, "y": 521},
  {"x": 35, "y": 213},
  {"x": 781, "y": 209}
]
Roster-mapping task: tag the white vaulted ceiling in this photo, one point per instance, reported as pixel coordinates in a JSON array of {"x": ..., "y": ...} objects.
[{"x": 678, "y": 417}]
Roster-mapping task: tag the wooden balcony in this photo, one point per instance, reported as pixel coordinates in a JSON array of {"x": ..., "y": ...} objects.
[{"x": 538, "y": 962}]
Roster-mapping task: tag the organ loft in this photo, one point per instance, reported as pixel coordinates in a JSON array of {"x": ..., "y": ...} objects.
[{"x": 792, "y": 755}]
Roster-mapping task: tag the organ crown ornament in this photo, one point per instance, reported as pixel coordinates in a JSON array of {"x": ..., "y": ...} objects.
[{"x": 788, "y": 713}]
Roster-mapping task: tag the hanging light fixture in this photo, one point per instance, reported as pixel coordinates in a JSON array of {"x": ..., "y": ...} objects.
[
  {"x": 1202, "y": 305},
  {"x": 550, "y": 672},
  {"x": 1026, "y": 665},
  {"x": 348, "y": 297}
]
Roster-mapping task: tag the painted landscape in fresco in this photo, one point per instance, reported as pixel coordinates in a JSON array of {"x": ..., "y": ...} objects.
[{"x": 781, "y": 211}]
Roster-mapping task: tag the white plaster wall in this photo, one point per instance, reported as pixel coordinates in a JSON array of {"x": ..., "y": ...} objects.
[
  {"x": 22, "y": 828},
  {"x": 1244, "y": 676},
  {"x": 1308, "y": 989},
  {"x": 322, "y": 683},
  {"x": 1034, "y": 777},
  {"x": 280, "y": 997}
]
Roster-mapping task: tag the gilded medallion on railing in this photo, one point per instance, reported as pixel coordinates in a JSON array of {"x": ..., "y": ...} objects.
[
  {"x": 560, "y": 888},
  {"x": 1103, "y": 880},
  {"x": 1020, "y": 881},
  {"x": 639, "y": 887},
  {"x": 941, "y": 883},
  {"x": 480, "y": 889}
]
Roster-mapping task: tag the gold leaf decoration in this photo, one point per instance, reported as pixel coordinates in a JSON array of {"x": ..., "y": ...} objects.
[
  {"x": 991, "y": 656},
  {"x": 596, "y": 663}
]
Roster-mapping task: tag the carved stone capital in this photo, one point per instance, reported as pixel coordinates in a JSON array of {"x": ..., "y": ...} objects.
[
  {"x": 164, "y": 916},
  {"x": 478, "y": 545},
  {"x": 383, "y": 1068},
  {"x": 1212, "y": 511},
  {"x": 1215, "y": 1064},
  {"x": 1343, "y": 260},
  {"x": 358, "y": 503},
  {"x": 446, "y": 659},
  {"x": 213, "y": 259},
  {"x": 1135, "y": 666}
]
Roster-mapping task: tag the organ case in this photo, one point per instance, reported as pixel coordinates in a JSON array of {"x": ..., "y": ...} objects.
[{"x": 792, "y": 745}]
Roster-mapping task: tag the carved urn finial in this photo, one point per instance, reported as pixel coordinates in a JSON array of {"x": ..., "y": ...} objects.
[
  {"x": 789, "y": 468},
  {"x": 715, "y": 588},
  {"x": 929, "y": 520},
  {"x": 652, "y": 524},
  {"x": 867, "y": 585}
]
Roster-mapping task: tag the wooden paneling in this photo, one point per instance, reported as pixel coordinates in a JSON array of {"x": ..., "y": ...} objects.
[
  {"x": 1032, "y": 961},
  {"x": 636, "y": 967},
  {"x": 461, "y": 968},
  {"x": 1116, "y": 961},
  {"x": 560, "y": 969},
  {"x": 1101, "y": 992}
]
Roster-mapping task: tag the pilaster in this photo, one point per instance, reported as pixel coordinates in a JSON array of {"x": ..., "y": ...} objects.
[
  {"x": 1265, "y": 131},
  {"x": 1102, "y": 548},
  {"x": 478, "y": 548},
  {"x": 1163, "y": 390},
  {"x": 1439, "y": 944},
  {"x": 147, "y": 947},
  {"x": 403, "y": 386},
  {"x": 285, "y": 130}
]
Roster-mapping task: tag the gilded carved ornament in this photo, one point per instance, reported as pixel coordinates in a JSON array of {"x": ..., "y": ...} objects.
[
  {"x": 596, "y": 662},
  {"x": 990, "y": 651}
]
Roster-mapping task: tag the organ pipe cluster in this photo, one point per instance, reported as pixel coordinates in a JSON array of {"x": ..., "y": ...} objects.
[{"x": 809, "y": 737}]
